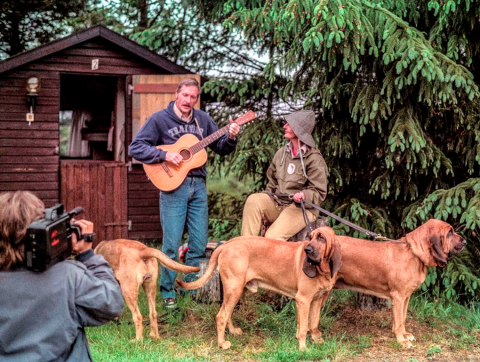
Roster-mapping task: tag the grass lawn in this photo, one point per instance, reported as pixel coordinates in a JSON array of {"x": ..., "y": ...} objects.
[{"x": 443, "y": 333}]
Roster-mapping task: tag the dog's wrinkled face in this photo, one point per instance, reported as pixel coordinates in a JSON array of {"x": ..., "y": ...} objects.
[
  {"x": 446, "y": 244},
  {"x": 435, "y": 242},
  {"x": 322, "y": 251}
]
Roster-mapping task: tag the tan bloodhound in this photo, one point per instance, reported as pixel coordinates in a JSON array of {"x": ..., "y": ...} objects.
[
  {"x": 135, "y": 265},
  {"x": 394, "y": 270},
  {"x": 302, "y": 270}
]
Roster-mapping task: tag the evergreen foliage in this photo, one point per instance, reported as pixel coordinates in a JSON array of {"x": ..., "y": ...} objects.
[
  {"x": 28, "y": 23},
  {"x": 394, "y": 87}
]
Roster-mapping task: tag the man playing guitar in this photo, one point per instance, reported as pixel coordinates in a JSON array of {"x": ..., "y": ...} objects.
[{"x": 187, "y": 203}]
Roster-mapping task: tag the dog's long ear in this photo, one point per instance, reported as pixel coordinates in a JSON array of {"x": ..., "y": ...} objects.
[
  {"x": 437, "y": 251},
  {"x": 309, "y": 269},
  {"x": 335, "y": 260},
  {"x": 329, "y": 244}
]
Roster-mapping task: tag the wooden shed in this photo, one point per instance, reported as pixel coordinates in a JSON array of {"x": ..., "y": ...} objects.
[{"x": 66, "y": 138}]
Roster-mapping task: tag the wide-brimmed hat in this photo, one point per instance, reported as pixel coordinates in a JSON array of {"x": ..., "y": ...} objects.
[{"x": 302, "y": 123}]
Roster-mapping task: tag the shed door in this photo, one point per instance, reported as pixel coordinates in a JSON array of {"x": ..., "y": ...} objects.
[
  {"x": 152, "y": 93},
  {"x": 100, "y": 188}
]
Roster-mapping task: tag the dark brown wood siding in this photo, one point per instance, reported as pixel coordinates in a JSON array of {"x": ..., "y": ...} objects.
[
  {"x": 143, "y": 208},
  {"x": 28, "y": 153}
]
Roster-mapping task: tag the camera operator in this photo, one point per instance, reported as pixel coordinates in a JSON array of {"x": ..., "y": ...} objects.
[{"x": 43, "y": 315}]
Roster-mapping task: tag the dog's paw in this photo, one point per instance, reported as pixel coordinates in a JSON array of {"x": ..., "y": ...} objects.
[
  {"x": 154, "y": 335},
  {"x": 316, "y": 336},
  {"x": 409, "y": 336},
  {"x": 317, "y": 339},
  {"x": 225, "y": 345},
  {"x": 302, "y": 346},
  {"x": 407, "y": 344},
  {"x": 236, "y": 331}
]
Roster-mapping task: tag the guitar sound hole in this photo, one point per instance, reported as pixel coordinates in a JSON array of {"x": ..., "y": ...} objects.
[{"x": 186, "y": 154}]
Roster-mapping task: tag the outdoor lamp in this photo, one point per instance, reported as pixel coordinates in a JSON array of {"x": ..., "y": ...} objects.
[{"x": 33, "y": 87}]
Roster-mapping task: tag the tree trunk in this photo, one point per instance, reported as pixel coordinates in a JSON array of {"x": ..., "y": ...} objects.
[
  {"x": 371, "y": 303},
  {"x": 212, "y": 291}
]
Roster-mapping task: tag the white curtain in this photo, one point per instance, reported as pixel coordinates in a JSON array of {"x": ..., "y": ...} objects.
[{"x": 77, "y": 147}]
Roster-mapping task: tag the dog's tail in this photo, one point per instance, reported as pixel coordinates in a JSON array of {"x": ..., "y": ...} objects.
[
  {"x": 167, "y": 262},
  {"x": 200, "y": 282}
]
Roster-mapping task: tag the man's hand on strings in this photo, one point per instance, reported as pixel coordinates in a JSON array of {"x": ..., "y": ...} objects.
[{"x": 174, "y": 158}]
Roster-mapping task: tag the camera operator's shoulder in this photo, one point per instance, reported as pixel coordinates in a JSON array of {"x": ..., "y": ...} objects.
[
  {"x": 69, "y": 266},
  {"x": 76, "y": 266}
]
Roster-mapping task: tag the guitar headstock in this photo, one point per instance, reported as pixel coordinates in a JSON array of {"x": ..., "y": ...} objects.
[{"x": 245, "y": 118}]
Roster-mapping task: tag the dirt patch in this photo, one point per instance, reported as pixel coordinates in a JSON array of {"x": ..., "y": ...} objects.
[{"x": 435, "y": 340}]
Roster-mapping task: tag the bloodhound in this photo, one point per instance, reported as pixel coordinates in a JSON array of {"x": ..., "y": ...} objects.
[
  {"x": 395, "y": 269},
  {"x": 303, "y": 270},
  {"x": 135, "y": 264}
]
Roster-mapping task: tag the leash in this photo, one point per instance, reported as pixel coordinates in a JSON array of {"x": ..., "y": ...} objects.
[
  {"x": 305, "y": 218},
  {"x": 328, "y": 213}
]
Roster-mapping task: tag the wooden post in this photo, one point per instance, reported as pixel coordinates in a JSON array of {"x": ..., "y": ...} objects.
[
  {"x": 212, "y": 291},
  {"x": 371, "y": 303}
]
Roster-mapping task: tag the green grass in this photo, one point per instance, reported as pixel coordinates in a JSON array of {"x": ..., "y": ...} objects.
[{"x": 268, "y": 323}]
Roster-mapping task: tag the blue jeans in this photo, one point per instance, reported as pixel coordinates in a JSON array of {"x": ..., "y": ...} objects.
[{"x": 185, "y": 205}]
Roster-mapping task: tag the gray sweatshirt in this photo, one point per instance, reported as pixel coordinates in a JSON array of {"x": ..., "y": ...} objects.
[{"x": 43, "y": 315}]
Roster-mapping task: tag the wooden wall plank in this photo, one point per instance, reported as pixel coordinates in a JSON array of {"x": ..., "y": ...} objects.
[
  {"x": 143, "y": 210},
  {"x": 23, "y": 185},
  {"x": 28, "y": 134},
  {"x": 108, "y": 203},
  {"x": 94, "y": 199},
  {"x": 32, "y": 176},
  {"x": 26, "y": 168},
  {"x": 101, "y": 202},
  {"x": 30, "y": 159},
  {"x": 22, "y": 126},
  {"x": 27, "y": 151}
]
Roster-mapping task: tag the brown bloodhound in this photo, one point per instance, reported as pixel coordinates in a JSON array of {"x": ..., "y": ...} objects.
[
  {"x": 394, "y": 270},
  {"x": 134, "y": 265},
  {"x": 303, "y": 270}
]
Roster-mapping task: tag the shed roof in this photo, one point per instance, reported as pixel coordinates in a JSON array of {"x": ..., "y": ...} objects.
[{"x": 97, "y": 31}]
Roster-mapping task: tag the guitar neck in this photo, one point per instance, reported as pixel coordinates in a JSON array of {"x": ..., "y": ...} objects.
[{"x": 209, "y": 139}]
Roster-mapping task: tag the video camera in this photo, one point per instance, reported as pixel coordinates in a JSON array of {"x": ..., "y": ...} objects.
[{"x": 49, "y": 240}]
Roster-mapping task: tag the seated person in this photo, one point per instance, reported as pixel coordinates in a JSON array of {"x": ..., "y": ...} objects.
[{"x": 297, "y": 169}]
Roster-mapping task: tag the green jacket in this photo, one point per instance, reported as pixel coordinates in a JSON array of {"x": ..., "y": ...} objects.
[{"x": 286, "y": 176}]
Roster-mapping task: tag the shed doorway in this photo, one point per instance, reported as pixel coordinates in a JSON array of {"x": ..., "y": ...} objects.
[
  {"x": 93, "y": 173},
  {"x": 92, "y": 117}
]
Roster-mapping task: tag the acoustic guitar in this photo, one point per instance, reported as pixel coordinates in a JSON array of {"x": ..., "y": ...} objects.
[{"x": 166, "y": 176}]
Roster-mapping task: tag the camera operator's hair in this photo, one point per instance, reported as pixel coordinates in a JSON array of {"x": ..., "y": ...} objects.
[{"x": 17, "y": 210}]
